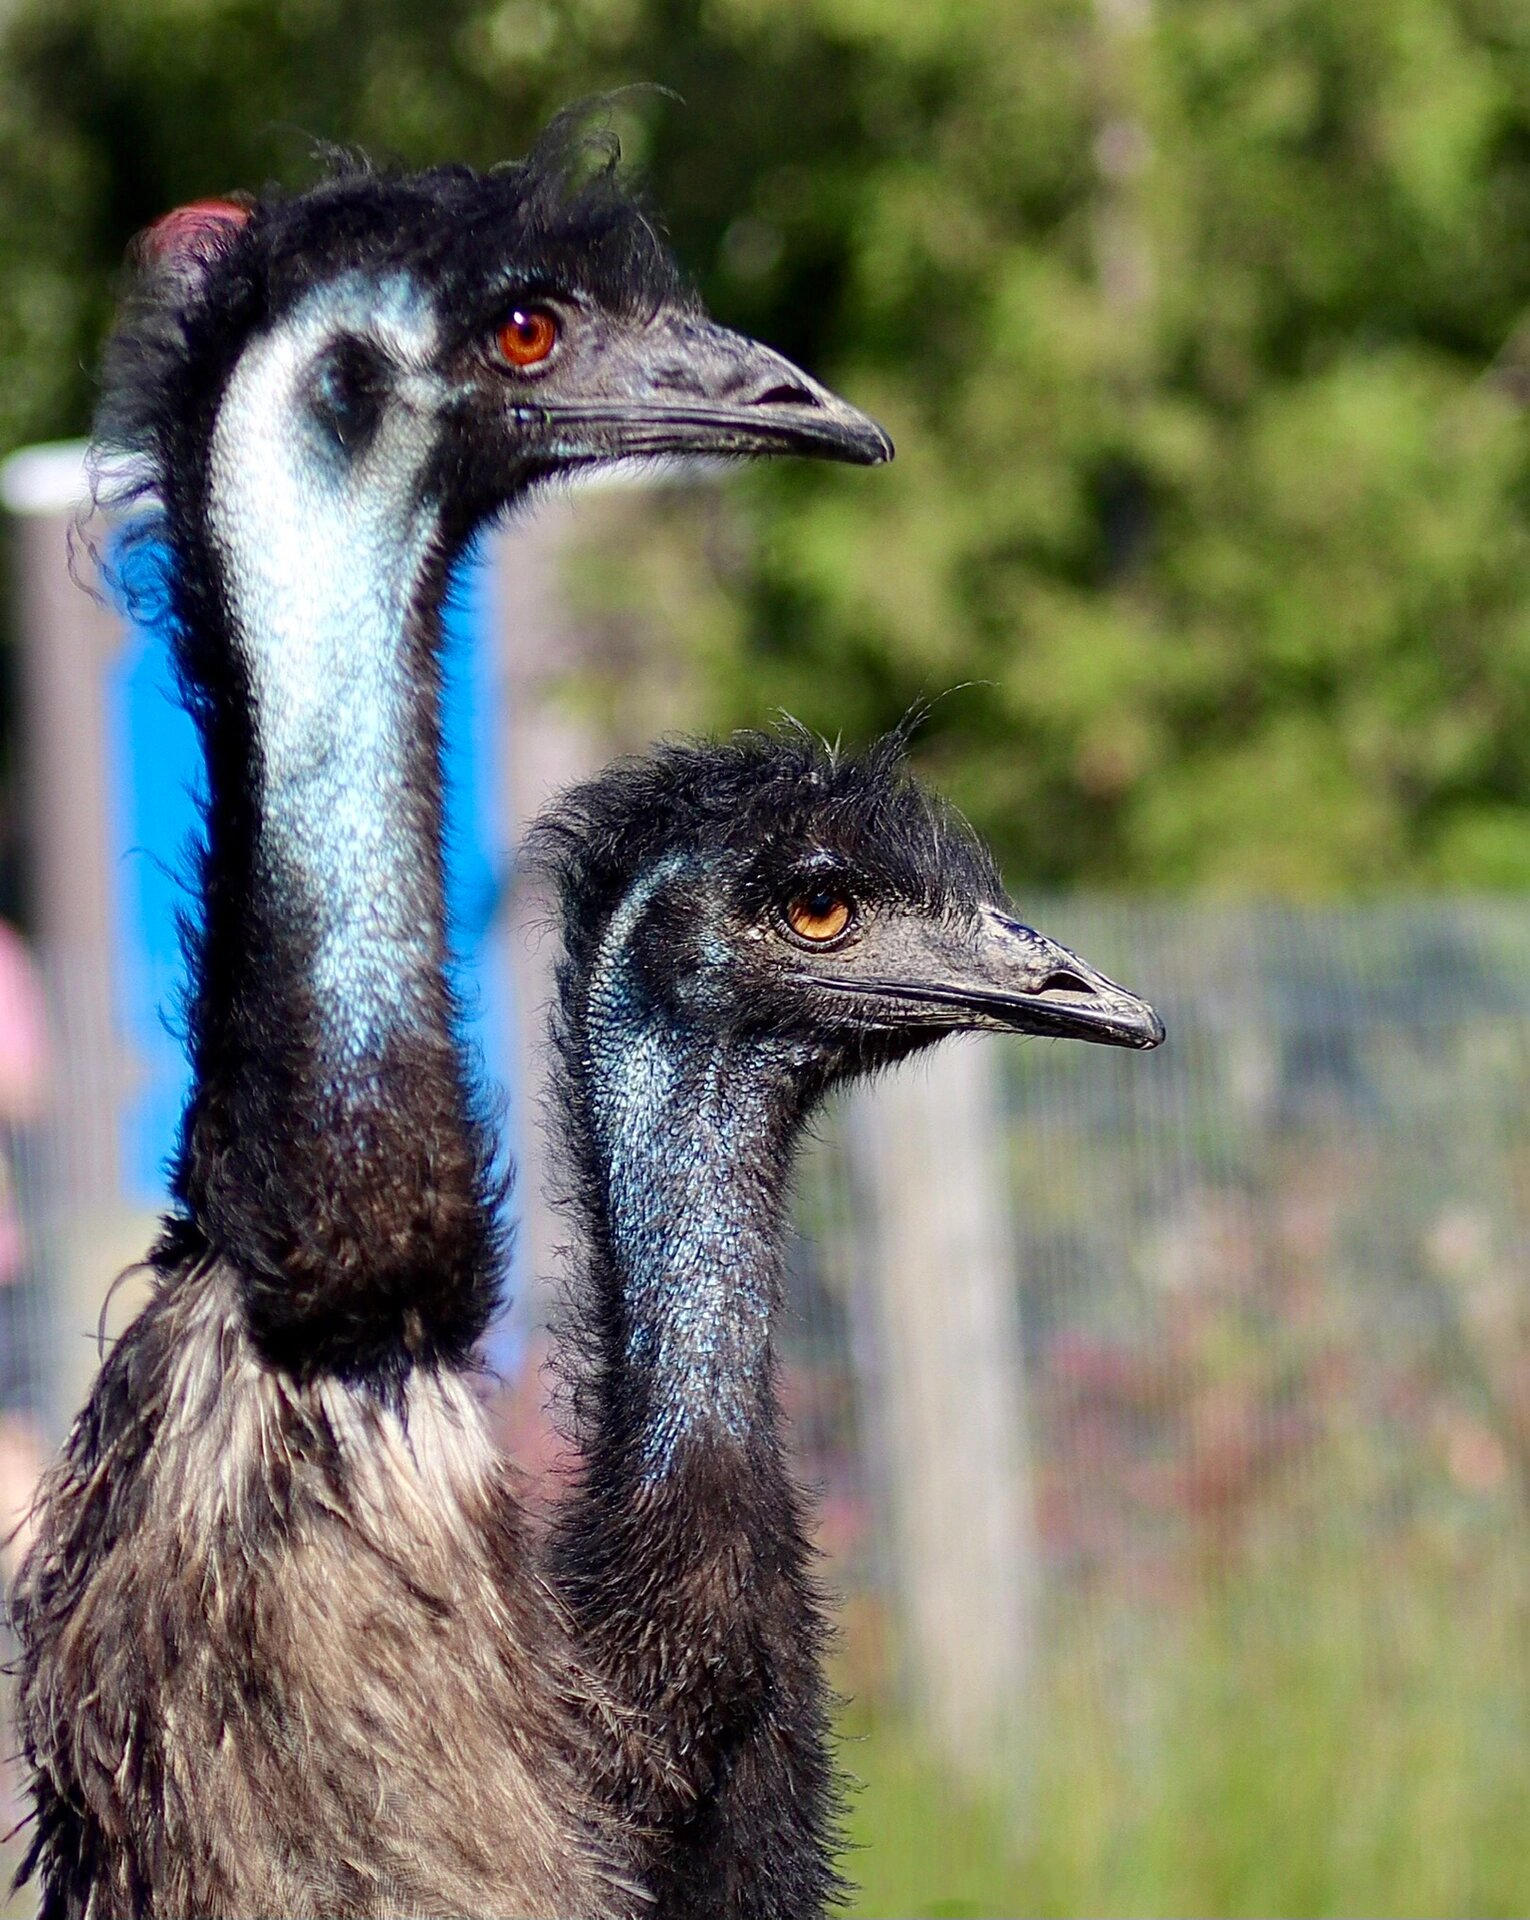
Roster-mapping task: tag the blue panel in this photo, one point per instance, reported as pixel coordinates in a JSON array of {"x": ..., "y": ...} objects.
[
  {"x": 477, "y": 866},
  {"x": 155, "y": 780}
]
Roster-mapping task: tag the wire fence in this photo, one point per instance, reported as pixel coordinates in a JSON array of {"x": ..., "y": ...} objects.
[
  {"x": 1270, "y": 1330},
  {"x": 1218, "y": 1500},
  {"x": 1295, "y": 1236}
]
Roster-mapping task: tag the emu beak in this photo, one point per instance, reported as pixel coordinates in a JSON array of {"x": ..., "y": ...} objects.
[
  {"x": 684, "y": 385},
  {"x": 998, "y": 976}
]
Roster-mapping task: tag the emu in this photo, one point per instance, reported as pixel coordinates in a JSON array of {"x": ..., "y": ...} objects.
[
  {"x": 285, "y": 1647},
  {"x": 746, "y": 926}
]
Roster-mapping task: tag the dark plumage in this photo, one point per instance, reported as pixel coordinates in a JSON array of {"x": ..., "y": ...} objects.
[
  {"x": 285, "y": 1647},
  {"x": 745, "y": 926}
]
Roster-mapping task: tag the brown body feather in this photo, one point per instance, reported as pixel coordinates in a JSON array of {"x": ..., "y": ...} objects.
[{"x": 284, "y": 1657}]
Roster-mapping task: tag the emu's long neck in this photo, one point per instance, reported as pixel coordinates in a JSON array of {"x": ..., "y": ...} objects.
[
  {"x": 684, "y": 1554},
  {"x": 334, "y": 614},
  {"x": 688, "y": 1143},
  {"x": 330, "y": 1148},
  {"x": 693, "y": 1228}
]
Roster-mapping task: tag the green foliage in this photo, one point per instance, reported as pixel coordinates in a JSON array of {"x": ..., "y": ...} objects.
[
  {"x": 1182, "y": 321},
  {"x": 1195, "y": 322}
]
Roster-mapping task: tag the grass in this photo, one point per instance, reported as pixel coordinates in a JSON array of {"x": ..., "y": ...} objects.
[
  {"x": 1335, "y": 1734},
  {"x": 1275, "y": 1745}
]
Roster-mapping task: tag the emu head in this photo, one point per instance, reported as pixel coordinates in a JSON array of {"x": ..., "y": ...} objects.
[
  {"x": 485, "y": 330},
  {"x": 820, "y": 909}
]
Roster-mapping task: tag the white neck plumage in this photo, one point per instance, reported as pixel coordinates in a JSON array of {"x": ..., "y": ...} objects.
[{"x": 326, "y": 553}]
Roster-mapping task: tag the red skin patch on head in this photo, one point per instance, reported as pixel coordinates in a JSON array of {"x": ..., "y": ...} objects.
[{"x": 192, "y": 234}]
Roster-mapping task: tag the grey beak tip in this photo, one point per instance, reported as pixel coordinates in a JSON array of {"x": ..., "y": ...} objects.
[
  {"x": 1154, "y": 1031},
  {"x": 858, "y": 441}
]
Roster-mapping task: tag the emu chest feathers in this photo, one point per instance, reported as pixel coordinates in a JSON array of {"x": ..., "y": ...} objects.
[{"x": 279, "y": 1656}]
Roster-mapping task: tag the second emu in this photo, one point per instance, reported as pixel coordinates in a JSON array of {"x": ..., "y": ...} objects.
[{"x": 747, "y": 926}]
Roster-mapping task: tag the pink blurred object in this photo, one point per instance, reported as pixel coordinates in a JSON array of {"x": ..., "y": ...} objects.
[{"x": 23, "y": 1075}]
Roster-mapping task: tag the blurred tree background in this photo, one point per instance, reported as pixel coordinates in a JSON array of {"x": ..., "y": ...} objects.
[{"x": 1201, "y": 326}]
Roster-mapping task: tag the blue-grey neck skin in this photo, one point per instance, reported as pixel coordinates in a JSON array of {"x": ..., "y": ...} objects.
[
  {"x": 332, "y": 1150},
  {"x": 686, "y": 1127},
  {"x": 323, "y": 552}
]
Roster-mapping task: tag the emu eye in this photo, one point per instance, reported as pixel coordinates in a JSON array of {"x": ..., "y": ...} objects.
[
  {"x": 819, "y": 916},
  {"x": 527, "y": 337}
]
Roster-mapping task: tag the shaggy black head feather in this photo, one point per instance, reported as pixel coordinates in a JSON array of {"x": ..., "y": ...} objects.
[{"x": 773, "y": 807}]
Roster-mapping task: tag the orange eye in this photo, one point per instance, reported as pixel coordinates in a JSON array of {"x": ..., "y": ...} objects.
[
  {"x": 819, "y": 916},
  {"x": 527, "y": 337}
]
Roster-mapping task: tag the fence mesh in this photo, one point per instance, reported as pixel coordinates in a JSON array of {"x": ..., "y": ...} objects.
[{"x": 1271, "y": 1338}]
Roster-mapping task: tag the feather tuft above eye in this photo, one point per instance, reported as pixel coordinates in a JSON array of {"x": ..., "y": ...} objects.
[{"x": 187, "y": 240}]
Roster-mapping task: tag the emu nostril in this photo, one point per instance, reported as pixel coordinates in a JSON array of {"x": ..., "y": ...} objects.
[
  {"x": 787, "y": 394},
  {"x": 1065, "y": 983}
]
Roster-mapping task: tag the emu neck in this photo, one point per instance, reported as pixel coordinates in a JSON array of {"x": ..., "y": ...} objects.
[
  {"x": 332, "y": 615},
  {"x": 694, "y": 1218},
  {"x": 330, "y": 1150},
  {"x": 683, "y": 1556},
  {"x": 690, "y": 1146}
]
